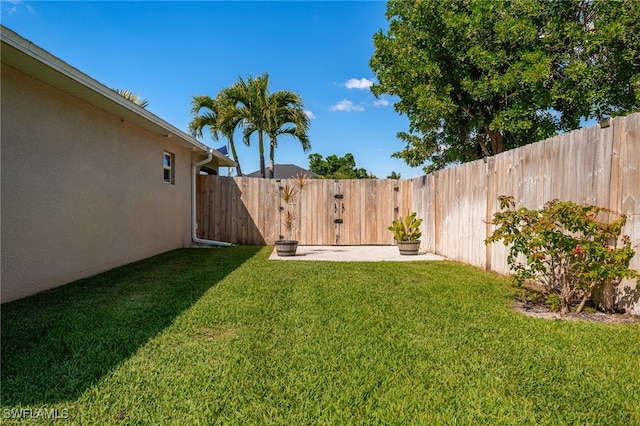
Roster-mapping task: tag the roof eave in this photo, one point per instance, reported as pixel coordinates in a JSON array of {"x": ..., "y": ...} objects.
[{"x": 25, "y": 56}]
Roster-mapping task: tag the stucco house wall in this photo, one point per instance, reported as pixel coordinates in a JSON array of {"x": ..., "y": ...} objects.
[{"x": 83, "y": 189}]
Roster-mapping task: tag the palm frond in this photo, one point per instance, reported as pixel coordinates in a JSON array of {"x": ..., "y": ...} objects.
[{"x": 130, "y": 96}]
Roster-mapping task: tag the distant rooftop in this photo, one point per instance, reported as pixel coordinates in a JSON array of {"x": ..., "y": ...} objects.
[{"x": 286, "y": 171}]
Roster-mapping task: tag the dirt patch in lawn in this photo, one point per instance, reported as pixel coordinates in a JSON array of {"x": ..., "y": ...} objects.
[{"x": 539, "y": 309}]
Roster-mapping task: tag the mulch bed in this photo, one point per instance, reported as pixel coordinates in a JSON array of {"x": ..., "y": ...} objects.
[{"x": 539, "y": 309}]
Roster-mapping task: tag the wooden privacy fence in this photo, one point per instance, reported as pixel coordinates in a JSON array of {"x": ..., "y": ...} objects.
[
  {"x": 592, "y": 165},
  {"x": 246, "y": 210}
]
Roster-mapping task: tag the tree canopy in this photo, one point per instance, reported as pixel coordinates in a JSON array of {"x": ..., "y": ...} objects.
[
  {"x": 334, "y": 167},
  {"x": 285, "y": 116},
  {"x": 477, "y": 77},
  {"x": 219, "y": 115}
]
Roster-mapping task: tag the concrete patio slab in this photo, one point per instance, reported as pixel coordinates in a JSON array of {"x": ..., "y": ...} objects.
[{"x": 354, "y": 254}]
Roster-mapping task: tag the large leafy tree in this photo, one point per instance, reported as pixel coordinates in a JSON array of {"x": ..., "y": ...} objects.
[
  {"x": 477, "y": 77},
  {"x": 334, "y": 167},
  {"x": 219, "y": 115}
]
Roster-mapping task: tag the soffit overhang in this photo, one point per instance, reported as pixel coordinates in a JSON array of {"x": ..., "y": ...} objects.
[{"x": 28, "y": 58}]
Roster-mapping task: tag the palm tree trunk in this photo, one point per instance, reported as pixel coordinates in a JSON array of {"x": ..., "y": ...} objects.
[
  {"x": 234, "y": 154},
  {"x": 272, "y": 150},
  {"x": 261, "y": 150}
]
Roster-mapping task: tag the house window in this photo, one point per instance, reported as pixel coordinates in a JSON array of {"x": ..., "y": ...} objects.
[{"x": 169, "y": 168}]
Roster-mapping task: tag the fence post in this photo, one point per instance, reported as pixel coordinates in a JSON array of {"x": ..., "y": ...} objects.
[{"x": 491, "y": 191}]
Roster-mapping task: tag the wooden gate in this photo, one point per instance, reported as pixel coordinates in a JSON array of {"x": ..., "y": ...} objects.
[
  {"x": 354, "y": 212},
  {"x": 329, "y": 212}
]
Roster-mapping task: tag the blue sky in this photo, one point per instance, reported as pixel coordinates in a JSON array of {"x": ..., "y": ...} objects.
[{"x": 167, "y": 52}]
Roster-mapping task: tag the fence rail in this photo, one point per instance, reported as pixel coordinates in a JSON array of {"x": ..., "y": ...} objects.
[{"x": 592, "y": 165}]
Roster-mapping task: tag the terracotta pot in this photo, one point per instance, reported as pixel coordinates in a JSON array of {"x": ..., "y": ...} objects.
[
  {"x": 409, "y": 247},
  {"x": 286, "y": 247}
]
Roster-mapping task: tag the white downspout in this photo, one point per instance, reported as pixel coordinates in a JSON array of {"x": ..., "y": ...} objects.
[{"x": 194, "y": 223}]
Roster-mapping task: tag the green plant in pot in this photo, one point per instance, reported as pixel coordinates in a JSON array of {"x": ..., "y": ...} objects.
[
  {"x": 289, "y": 194},
  {"x": 406, "y": 231}
]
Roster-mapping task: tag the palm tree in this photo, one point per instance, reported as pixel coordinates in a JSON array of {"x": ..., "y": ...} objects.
[
  {"x": 286, "y": 117},
  {"x": 279, "y": 113},
  {"x": 220, "y": 117},
  {"x": 250, "y": 99},
  {"x": 132, "y": 97},
  {"x": 248, "y": 104}
]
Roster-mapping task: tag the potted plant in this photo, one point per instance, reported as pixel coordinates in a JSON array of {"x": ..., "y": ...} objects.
[
  {"x": 406, "y": 232},
  {"x": 289, "y": 194}
]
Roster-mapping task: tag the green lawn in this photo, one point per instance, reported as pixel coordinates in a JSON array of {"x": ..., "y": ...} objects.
[{"x": 225, "y": 336}]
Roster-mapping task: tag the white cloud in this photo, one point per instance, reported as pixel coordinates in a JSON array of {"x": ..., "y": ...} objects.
[
  {"x": 309, "y": 114},
  {"x": 380, "y": 102},
  {"x": 10, "y": 7},
  {"x": 346, "y": 105},
  {"x": 361, "y": 84}
]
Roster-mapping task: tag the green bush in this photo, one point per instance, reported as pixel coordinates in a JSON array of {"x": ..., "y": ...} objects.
[
  {"x": 570, "y": 248},
  {"x": 553, "y": 302}
]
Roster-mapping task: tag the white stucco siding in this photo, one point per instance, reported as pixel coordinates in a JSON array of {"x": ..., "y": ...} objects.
[{"x": 82, "y": 190}]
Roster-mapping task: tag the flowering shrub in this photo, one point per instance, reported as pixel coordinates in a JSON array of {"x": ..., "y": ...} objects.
[{"x": 568, "y": 247}]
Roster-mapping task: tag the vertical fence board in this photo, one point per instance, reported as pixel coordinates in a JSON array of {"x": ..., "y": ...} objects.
[
  {"x": 423, "y": 190},
  {"x": 369, "y": 212}
]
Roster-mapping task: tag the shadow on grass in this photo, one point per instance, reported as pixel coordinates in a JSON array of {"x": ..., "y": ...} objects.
[{"x": 58, "y": 343}]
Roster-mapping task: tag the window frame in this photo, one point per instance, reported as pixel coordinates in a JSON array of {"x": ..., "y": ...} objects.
[{"x": 169, "y": 168}]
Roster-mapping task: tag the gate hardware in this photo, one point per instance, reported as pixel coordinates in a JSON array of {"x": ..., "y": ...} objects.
[
  {"x": 338, "y": 221},
  {"x": 338, "y": 196}
]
